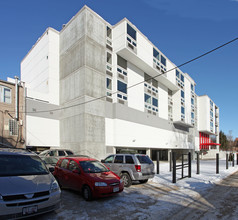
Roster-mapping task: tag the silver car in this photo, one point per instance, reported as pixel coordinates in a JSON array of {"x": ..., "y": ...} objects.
[
  {"x": 57, "y": 153},
  {"x": 27, "y": 188},
  {"x": 131, "y": 167}
]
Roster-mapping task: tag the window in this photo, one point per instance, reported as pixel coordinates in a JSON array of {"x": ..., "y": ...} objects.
[
  {"x": 13, "y": 127},
  {"x": 109, "y": 58},
  {"x": 122, "y": 87},
  {"x": 109, "y": 159},
  {"x": 131, "y": 32},
  {"x": 192, "y": 101},
  {"x": 182, "y": 93},
  {"x": 53, "y": 153},
  {"x": 109, "y": 32},
  {"x": 155, "y": 54},
  {"x": 192, "y": 115},
  {"x": 155, "y": 102},
  {"x": 163, "y": 60},
  {"x": 118, "y": 159},
  {"x": 121, "y": 62},
  {"x": 73, "y": 165},
  {"x": 69, "y": 152},
  {"x": 5, "y": 94},
  {"x": 192, "y": 87},
  {"x": 147, "y": 98},
  {"x": 182, "y": 77},
  {"x": 143, "y": 159},
  {"x": 61, "y": 153},
  {"x": 109, "y": 84},
  {"x": 182, "y": 110},
  {"x": 129, "y": 160},
  {"x": 64, "y": 163},
  {"x": 177, "y": 73}
]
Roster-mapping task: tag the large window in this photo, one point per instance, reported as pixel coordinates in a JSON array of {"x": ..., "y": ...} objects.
[
  {"x": 182, "y": 93},
  {"x": 148, "y": 99},
  {"x": 109, "y": 84},
  {"x": 155, "y": 54},
  {"x": 122, "y": 87},
  {"x": 5, "y": 94},
  {"x": 182, "y": 110},
  {"x": 155, "y": 102},
  {"x": 163, "y": 60},
  {"x": 131, "y": 32}
]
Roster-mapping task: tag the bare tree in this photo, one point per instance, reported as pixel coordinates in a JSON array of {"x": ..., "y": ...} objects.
[{"x": 231, "y": 143}]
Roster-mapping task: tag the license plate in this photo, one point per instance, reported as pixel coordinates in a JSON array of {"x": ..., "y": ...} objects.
[
  {"x": 29, "y": 210},
  {"x": 115, "y": 189}
]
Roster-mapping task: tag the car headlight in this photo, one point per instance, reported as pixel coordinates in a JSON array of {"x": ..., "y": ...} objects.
[
  {"x": 54, "y": 187},
  {"x": 100, "y": 184}
]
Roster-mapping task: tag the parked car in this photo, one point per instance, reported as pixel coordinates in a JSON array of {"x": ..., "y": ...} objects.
[
  {"x": 50, "y": 163},
  {"x": 131, "y": 167},
  {"x": 27, "y": 188},
  {"x": 57, "y": 153},
  {"x": 88, "y": 176}
]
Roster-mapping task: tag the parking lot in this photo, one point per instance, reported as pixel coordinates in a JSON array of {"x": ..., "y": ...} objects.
[{"x": 157, "y": 199}]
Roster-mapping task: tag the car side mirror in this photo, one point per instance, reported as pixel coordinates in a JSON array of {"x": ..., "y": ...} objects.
[{"x": 103, "y": 161}]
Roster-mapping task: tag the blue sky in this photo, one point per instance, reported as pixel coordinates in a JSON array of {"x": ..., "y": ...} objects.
[{"x": 181, "y": 29}]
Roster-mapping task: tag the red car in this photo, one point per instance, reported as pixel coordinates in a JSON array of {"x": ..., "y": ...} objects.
[{"x": 88, "y": 176}]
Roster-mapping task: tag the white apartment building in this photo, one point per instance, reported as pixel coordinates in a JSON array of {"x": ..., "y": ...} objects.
[{"x": 116, "y": 91}]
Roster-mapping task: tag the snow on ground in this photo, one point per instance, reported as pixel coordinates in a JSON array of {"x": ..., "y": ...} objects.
[{"x": 157, "y": 199}]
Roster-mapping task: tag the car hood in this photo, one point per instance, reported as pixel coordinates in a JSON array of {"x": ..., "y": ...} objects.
[
  {"x": 108, "y": 177},
  {"x": 25, "y": 184}
]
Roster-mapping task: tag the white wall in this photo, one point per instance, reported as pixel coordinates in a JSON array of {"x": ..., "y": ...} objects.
[
  {"x": 163, "y": 101},
  {"x": 135, "y": 94},
  {"x": 40, "y": 68},
  {"x": 42, "y": 131},
  {"x": 129, "y": 134}
]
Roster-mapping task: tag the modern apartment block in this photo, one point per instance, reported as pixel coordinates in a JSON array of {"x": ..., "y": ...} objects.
[
  {"x": 40, "y": 72},
  {"x": 208, "y": 123},
  {"x": 12, "y": 116},
  {"x": 115, "y": 89}
]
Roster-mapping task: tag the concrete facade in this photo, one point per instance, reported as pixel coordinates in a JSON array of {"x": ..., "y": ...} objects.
[
  {"x": 117, "y": 91},
  {"x": 82, "y": 78}
]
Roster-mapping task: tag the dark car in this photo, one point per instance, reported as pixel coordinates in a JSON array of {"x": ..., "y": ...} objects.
[{"x": 88, "y": 176}]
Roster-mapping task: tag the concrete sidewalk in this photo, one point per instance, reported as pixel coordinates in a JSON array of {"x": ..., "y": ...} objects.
[{"x": 221, "y": 202}]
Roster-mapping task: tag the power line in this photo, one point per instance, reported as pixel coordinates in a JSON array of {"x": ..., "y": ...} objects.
[{"x": 102, "y": 97}]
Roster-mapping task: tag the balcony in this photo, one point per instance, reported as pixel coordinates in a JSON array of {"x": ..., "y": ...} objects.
[{"x": 133, "y": 50}]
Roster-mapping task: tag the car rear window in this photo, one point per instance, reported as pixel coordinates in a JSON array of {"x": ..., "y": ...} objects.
[
  {"x": 144, "y": 159},
  {"x": 21, "y": 165},
  {"x": 69, "y": 152}
]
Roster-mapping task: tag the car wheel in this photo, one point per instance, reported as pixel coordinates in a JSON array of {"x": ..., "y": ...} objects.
[
  {"x": 143, "y": 181},
  {"x": 87, "y": 193},
  {"x": 126, "y": 179}
]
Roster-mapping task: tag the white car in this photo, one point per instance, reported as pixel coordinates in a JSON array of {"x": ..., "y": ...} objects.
[{"x": 27, "y": 188}]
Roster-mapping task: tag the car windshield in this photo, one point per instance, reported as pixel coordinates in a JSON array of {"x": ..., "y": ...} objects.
[
  {"x": 21, "y": 165},
  {"x": 93, "y": 167},
  {"x": 144, "y": 159},
  {"x": 44, "y": 152}
]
